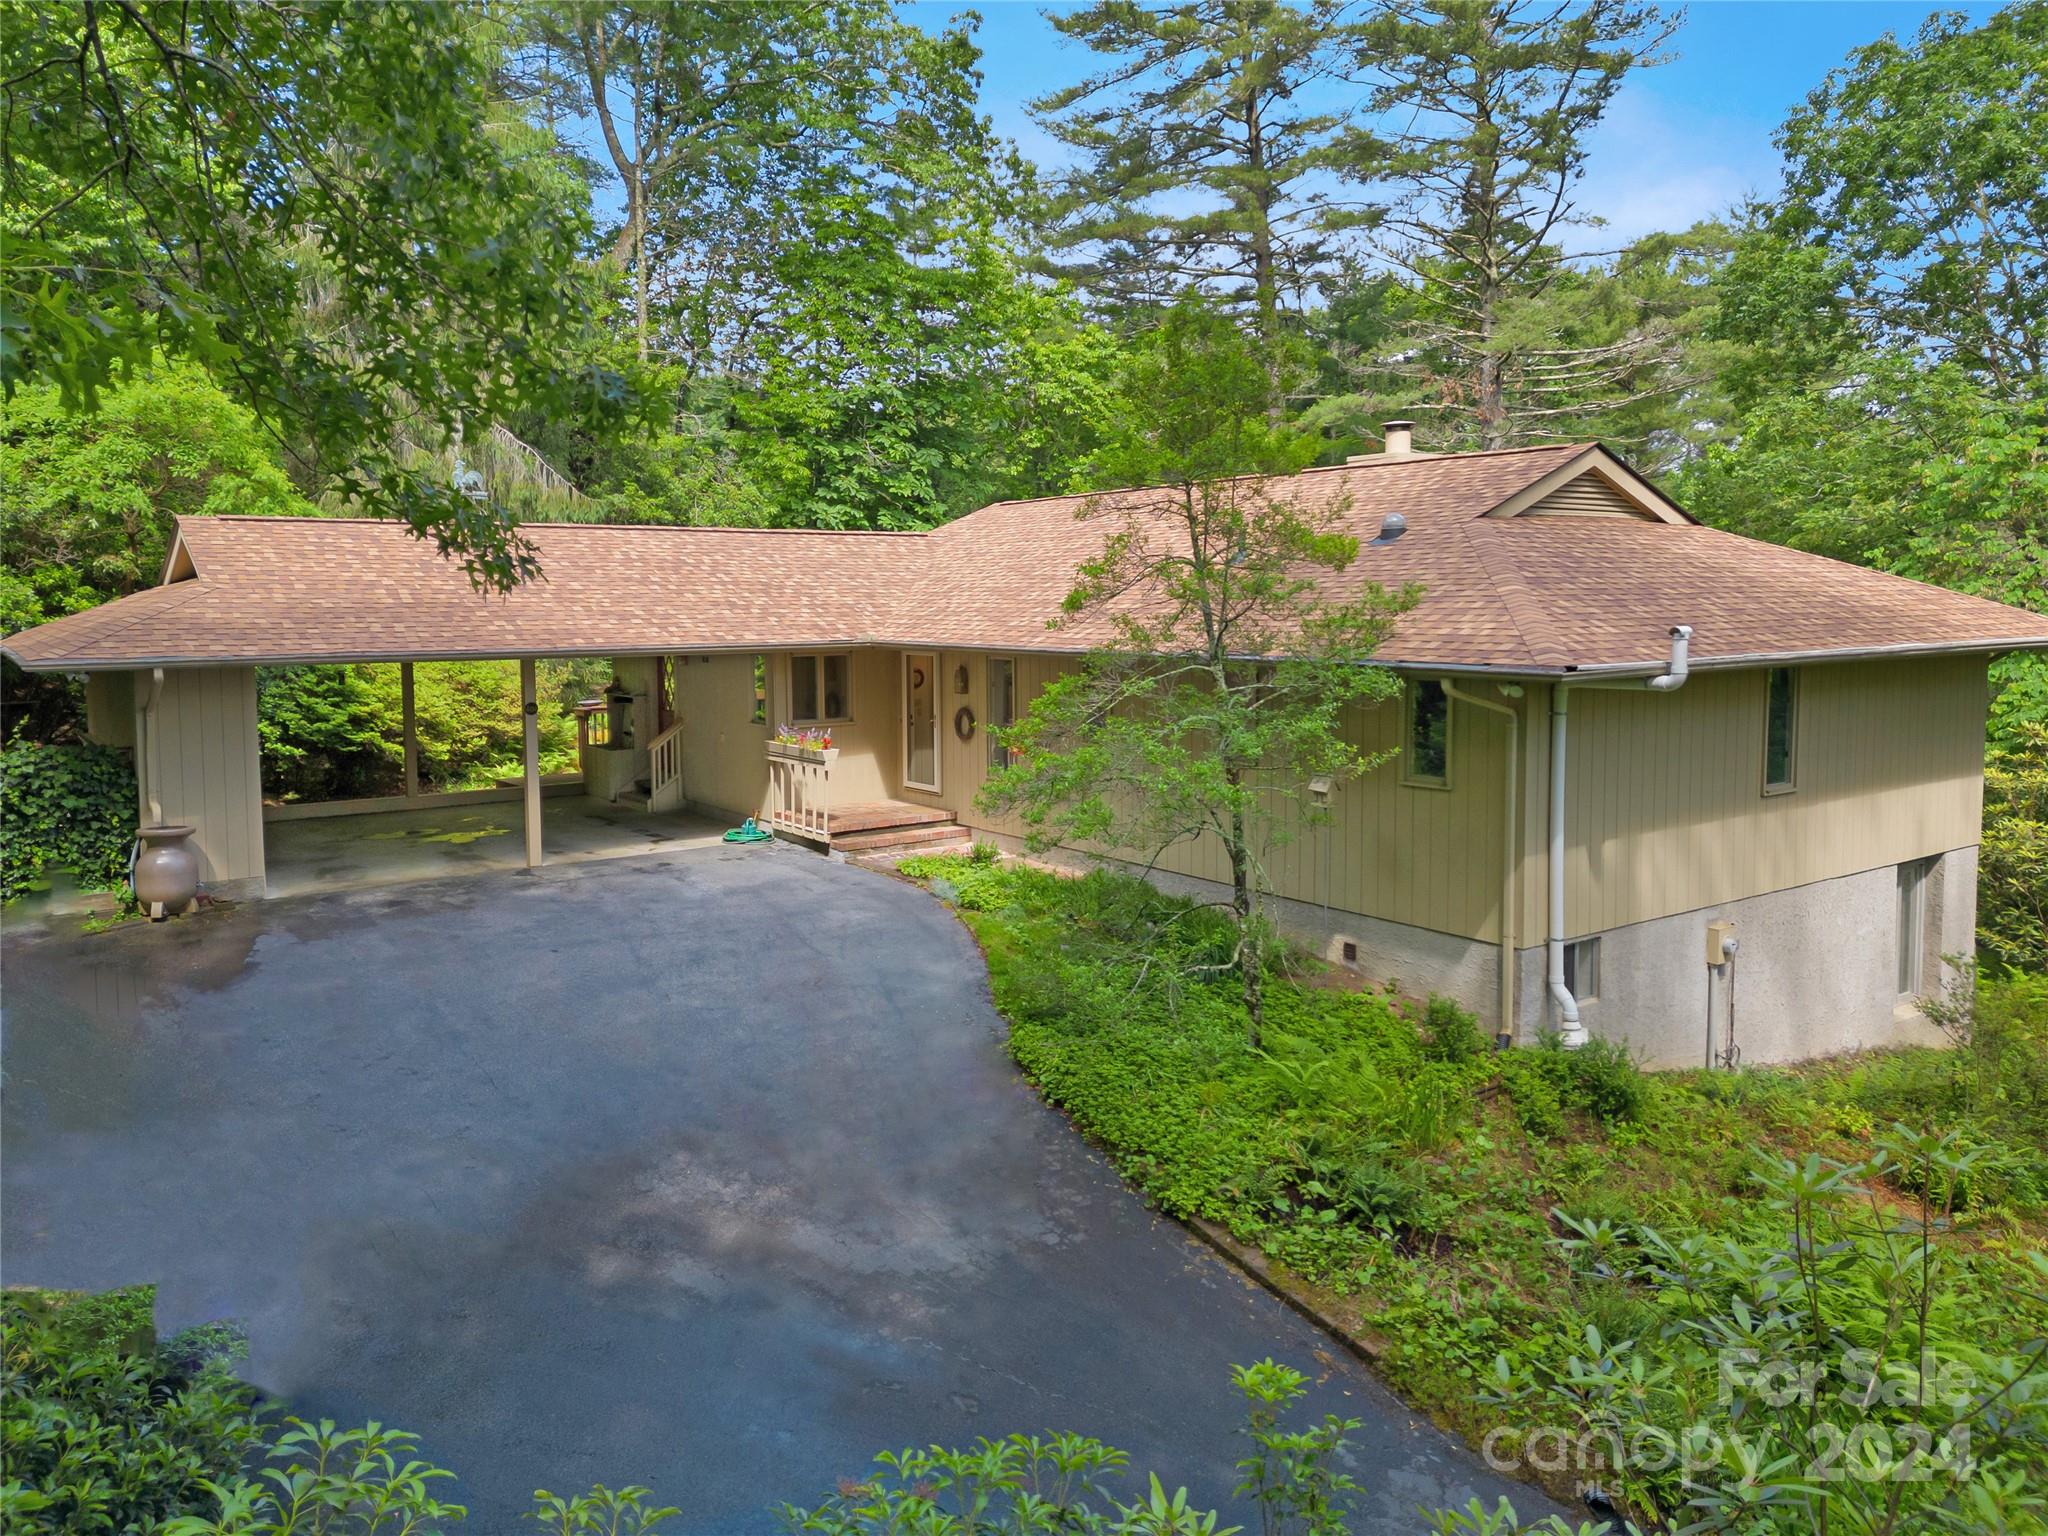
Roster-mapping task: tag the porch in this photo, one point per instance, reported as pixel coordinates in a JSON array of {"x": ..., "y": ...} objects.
[{"x": 373, "y": 848}]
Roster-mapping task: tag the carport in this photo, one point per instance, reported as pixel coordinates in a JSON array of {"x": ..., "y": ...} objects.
[
  {"x": 193, "y": 733},
  {"x": 171, "y": 675}
]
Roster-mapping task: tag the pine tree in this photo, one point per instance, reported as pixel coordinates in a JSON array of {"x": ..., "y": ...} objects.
[
  {"x": 1493, "y": 103},
  {"x": 1207, "y": 98}
]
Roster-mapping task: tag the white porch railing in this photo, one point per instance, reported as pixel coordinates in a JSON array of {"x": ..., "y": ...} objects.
[
  {"x": 665, "y": 770},
  {"x": 800, "y": 789}
]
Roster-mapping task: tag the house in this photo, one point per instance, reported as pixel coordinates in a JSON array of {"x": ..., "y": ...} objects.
[{"x": 1626, "y": 739}]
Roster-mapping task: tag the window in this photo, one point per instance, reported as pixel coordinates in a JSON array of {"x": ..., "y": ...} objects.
[
  {"x": 1912, "y": 924},
  {"x": 1781, "y": 721},
  {"x": 1427, "y": 761},
  {"x": 818, "y": 689},
  {"x": 760, "y": 714},
  {"x": 1582, "y": 969},
  {"x": 1002, "y": 706}
]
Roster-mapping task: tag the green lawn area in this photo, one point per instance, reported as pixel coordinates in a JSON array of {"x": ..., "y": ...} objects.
[{"x": 1461, "y": 1207}]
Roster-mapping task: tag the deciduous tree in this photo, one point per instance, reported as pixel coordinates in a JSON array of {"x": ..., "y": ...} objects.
[
  {"x": 1225, "y": 683},
  {"x": 171, "y": 172}
]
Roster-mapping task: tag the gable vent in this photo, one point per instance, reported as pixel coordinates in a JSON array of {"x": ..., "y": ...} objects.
[{"x": 1588, "y": 495}]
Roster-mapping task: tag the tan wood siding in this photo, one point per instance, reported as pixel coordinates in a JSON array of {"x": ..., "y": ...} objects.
[
  {"x": 203, "y": 767},
  {"x": 724, "y": 767},
  {"x": 1666, "y": 811},
  {"x": 1428, "y": 857}
]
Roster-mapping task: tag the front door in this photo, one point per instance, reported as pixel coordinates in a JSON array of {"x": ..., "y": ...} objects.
[{"x": 920, "y": 720}]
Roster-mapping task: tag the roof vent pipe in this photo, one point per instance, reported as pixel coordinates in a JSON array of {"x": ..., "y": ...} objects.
[
  {"x": 1391, "y": 528},
  {"x": 1400, "y": 438},
  {"x": 1675, "y": 669}
]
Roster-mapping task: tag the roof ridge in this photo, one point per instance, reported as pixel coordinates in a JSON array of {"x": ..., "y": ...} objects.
[{"x": 1518, "y": 600}]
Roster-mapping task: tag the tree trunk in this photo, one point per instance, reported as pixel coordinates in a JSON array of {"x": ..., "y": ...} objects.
[
  {"x": 1490, "y": 395},
  {"x": 1251, "y": 960},
  {"x": 1265, "y": 279},
  {"x": 640, "y": 274}
]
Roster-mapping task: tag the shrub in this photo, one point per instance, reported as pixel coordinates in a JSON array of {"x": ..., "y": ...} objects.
[
  {"x": 1532, "y": 1090},
  {"x": 101, "y": 1433},
  {"x": 1451, "y": 1033},
  {"x": 1606, "y": 1082},
  {"x": 1830, "y": 1371},
  {"x": 65, "y": 808}
]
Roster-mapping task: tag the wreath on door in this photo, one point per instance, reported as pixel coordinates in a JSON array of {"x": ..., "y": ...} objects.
[{"x": 963, "y": 723}]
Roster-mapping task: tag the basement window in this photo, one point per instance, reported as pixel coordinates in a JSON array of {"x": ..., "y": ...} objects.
[
  {"x": 1781, "y": 730},
  {"x": 1582, "y": 969},
  {"x": 1427, "y": 761},
  {"x": 1912, "y": 924},
  {"x": 818, "y": 689}
]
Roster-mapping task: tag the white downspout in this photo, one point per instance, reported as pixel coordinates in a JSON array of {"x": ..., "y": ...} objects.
[
  {"x": 1573, "y": 1033},
  {"x": 156, "y": 692},
  {"x": 1676, "y": 669},
  {"x": 1508, "y": 859}
]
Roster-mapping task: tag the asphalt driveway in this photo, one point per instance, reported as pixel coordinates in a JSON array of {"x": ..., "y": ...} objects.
[{"x": 702, "y": 1170}]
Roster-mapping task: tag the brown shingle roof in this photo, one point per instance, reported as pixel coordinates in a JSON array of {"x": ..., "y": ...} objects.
[{"x": 1519, "y": 594}]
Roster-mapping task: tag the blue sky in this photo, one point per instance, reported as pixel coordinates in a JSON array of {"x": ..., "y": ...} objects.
[{"x": 1682, "y": 142}]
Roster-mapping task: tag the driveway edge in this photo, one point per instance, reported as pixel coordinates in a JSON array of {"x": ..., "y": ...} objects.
[{"x": 1297, "y": 1293}]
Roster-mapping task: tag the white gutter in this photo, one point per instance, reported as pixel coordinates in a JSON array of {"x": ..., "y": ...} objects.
[
  {"x": 1601, "y": 674},
  {"x": 1509, "y": 860},
  {"x": 1572, "y": 1032}
]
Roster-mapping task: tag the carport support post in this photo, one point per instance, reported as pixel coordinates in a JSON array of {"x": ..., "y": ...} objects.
[
  {"x": 529, "y": 710},
  {"x": 412, "y": 735}
]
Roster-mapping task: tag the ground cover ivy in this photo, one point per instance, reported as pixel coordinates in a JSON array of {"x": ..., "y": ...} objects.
[
  {"x": 65, "y": 808},
  {"x": 1443, "y": 1193}
]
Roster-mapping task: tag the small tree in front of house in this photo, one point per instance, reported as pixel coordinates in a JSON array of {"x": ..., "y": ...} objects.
[{"x": 1221, "y": 686}]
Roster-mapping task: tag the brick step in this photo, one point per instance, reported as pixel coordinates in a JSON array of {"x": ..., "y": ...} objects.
[
  {"x": 874, "y": 815},
  {"x": 883, "y": 839}
]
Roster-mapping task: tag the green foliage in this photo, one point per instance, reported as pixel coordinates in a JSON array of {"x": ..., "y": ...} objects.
[
  {"x": 1451, "y": 1033},
  {"x": 1482, "y": 118},
  {"x": 334, "y": 732},
  {"x": 1421, "y": 1180},
  {"x": 99, "y": 1433},
  {"x": 1828, "y": 1371},
  {"x": 1209, "y": 105},
  {"x": 91, "y": 498},
  {"x": 816, "y": 261},
  {"x": 2012, "y": 861},
  {"x": 603, "y": 1511},
  {"x": 1914, "y": 172},
  {"x": 65, "y": 808},
  {"x": 318, "y": 204},
  {"x": 1037, "y": 1485},
  {"x": 1290, "y": 1473},
  {"x": 1223, "y": 677}
]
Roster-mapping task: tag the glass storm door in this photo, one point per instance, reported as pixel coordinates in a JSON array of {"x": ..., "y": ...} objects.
[{"x": 921, "y": 720}]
